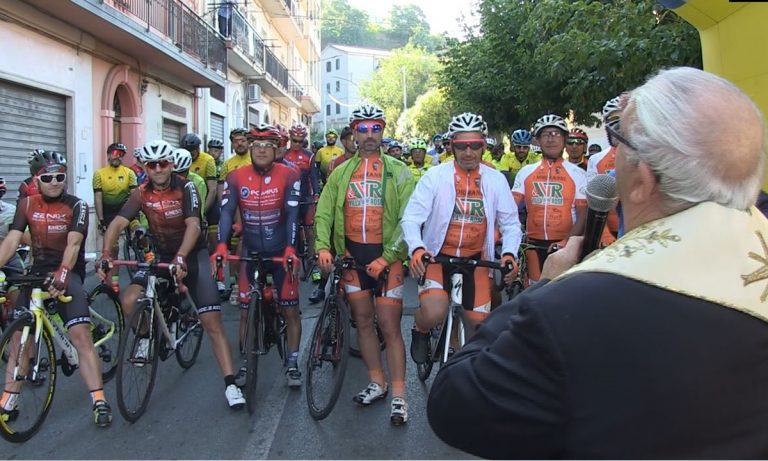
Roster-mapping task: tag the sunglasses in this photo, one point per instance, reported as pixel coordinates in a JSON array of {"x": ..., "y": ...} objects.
[
  {"x": 297, "y": 140},
  {"x": 163, "y": 164},
  {"x": 575, "y": 141},
  {"x": 116, "y": 153},
  {"x": 373, "y": 128},
  {"x": 614, "y": 130},
  {"x": 263, "y": 145},
  {"x": 474, "y": 144},
  {"x": 552, "y": 134},
  {"x": 49, "y": 177}
]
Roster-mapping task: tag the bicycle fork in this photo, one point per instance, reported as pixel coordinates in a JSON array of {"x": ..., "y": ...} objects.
[{"x": 61, "y": 338}]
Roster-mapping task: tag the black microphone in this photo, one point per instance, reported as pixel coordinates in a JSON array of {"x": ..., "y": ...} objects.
[{"x": 601, "y": 199}]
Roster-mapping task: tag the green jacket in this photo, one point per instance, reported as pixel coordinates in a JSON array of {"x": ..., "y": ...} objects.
[{"x": 329, "y": 217}]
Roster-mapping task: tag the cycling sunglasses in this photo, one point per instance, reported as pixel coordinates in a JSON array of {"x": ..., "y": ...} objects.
[
  {"x": 47, "y": 178},
  {"x": 163, "y": 164},
  {"x": 115, "y": 153},
  {"x": 365, "y": 128},
  {"x": 263, "y": 144},
  {"x": 573, "y": 141},
  {"x": 474, "y": 144}
]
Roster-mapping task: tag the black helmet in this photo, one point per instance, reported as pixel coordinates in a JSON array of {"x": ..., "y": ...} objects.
[
  {"x": 190, "y": 141},
  {"x": 116, "y": 146},
  {"x": 39, "y": 158},
  {"x": 216, "y": 144},
  {"x": 238, "y": 132}
]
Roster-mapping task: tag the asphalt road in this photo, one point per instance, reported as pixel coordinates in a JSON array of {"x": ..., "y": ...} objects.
[{"x": 188, "y": 417}]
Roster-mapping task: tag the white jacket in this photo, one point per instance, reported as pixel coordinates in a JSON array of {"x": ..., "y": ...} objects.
[{"x": 431, "y": 206}]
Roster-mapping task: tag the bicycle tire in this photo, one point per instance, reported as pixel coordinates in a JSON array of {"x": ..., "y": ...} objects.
[
  {"x": 34, "y": 400},
  {"x": 329, "y": 351},
  {"x": 253, "y": 340},
  {"x": 106, "y": 311},
  {"x": 131, "y": 370},
  {"x": 424, "y": 370},
  {"x": 130, "y": 253},
  {"x": 188, "y": 348},
  {"x": 355, "y": 351}
]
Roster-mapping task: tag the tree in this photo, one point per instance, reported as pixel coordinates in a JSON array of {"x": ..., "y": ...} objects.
[
  {"x": 385, "y": 87},
  {"x": 430, "y": 114},
  {"x": 532, "y": 57},
  {"x": 345, "y": 25},
  {"x": 404, "y": 21}
]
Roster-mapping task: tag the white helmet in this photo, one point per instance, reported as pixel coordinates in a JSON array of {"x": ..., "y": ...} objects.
[
  {"x": 467, "y": 122},
  {"x": 182, "y": 160},
  {"x": 612, "y": 105},
  {"x": 156, "y": 150},
  {"x": 491, "y": 142},
  {"x": 552, "y": 120},
  {"x": 367, "y": 112}
]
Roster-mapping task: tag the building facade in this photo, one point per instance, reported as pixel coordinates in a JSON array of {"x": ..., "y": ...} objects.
[{"x": 342, "y": 69}]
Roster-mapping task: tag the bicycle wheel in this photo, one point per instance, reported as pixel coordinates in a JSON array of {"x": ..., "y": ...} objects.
[
  {"x": 190, "y": 332},
  {"x": 433, "y": 345},
  {"x": 328, "y": 357},
  {"x": 107, "y": 324},
  {"x": 129, "y": 252},
  {"x": 30, "y": 371},
  {"x": 253, "y": 339},
  {"x": 354, "y": 348},
  {"x": 137, "y": 364}
]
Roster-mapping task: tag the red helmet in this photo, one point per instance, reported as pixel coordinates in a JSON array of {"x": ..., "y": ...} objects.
[
  {"x": 284, "y": 136},
  {"x": 579, "y": 134},
  {"x": 298, "y": 131},
  {"x": 264, "y": 132}
]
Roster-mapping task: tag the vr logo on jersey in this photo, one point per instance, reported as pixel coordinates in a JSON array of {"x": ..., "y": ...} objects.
[{"x": 547, "y": 193}]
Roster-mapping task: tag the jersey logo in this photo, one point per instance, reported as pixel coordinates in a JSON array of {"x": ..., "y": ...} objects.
[
  {"x": 367, "y": 193},
  {"x": 470, "y": 211},
  {"x": 244, "y": 192},
  {"x": 268, "y": 180},
  {"x": 547, "y": 193}
]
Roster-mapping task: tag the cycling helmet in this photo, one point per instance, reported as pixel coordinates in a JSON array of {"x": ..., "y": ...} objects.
[
  {"x": 611, "y": 106},
  {"x": 264, "y": 132},
  {"x": 491, "y": 142},
  {"x": 182, "y": 160},
  {"x": 393, "y": 145},
  {"x": 155, "y": 151},
  {"x": 580, "y": 134},
  {"x": 3, "y": 187},
  {"x": 299, "y": 131},
  {"x": 552, "y": 120},
  {"x": 137, "y": 154},
  {"x": 39, "y": 158},
  {"x": 467, "y": 122},
  {"x": 418, "y": 144},
  {"x": 284, "y": 135},
  {"x": 367, "y": 112},
  {"x": 332, "y": 132},
  {"x": 521, "y": 137},
  {"x": 238, "y": 132},
  {"x": 190, "y": 141},
  {"x": 116, "y": 146},
  {"x": 437, "y": 138},
  {"x": 216, "y": 144},
  {"x": 317, "y": 144}
]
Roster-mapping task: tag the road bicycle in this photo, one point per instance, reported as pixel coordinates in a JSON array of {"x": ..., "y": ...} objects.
[
  {"x": 308, "y": 261},
  {"x": 27, "y": 347},
  {"x": 165, "y": 322},
  {"x": 265, "y": 325},
  {"x": 453, "y": 328}
]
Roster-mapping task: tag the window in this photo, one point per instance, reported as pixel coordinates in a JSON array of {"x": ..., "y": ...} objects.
[
  {"x": 338, "y": 63},
  {"x": 328, "y": 88},
  {"x": 327, "y": 109},
  {"x": 328, "y": 66},
  {"x": 338, "y": 86},
  {"x": 338, "y": 108}
]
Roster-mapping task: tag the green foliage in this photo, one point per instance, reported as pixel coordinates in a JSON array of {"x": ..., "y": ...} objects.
[
  {"x": 532, "y": 57},
  {"x": 430, "y": 114},
  {"x": 385, "y": 87},
  {"x": 345, "y": 25}
]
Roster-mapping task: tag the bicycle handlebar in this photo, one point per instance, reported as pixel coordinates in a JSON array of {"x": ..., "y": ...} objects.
[
  {"x": 461, "y": 261},
  {"x": 255, "y": 257},
  {"x": 180, "y": 287},
  {"x": 43, "y": 281}
]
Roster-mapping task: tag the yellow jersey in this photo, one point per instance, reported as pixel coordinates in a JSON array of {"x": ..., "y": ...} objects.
[
  {"x": 516, "y": 165},
  {"x": 115, "y": 184},
  {"x": 501, "y": 164},
  {"x": 204, "y": 166},
  {"x": 326, "y": 154},
  {"x": 233, "y": 163}
]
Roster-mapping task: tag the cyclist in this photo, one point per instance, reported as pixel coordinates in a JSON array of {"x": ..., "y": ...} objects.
[
  {"x": 172, "y": 207},
  {"x": 420, "y": 161},
  {"x": 395, "y": 149},
  {"x": 58, "y": 223},
  {"x": 553, "y": 193},
  {"x": 358, "y": 215},
  {"x": 604, "y": 162},
  {"x": 437, "y": 146},
  {"x": 594, "y": 149},
  {"x": 182, "y": 160},
  {"x": 138, "y": 170},
  {"x": 523, "y": 155},
  {"x": 14, "y": 265},
  {"x": 215, "y": 149},
  {"x": 316, "y": 145},
  {"x": 454, "y": 211},
  {"x": 267, "y": 195},
  {"x": 576, "y": 147},
  {"x": 204, "y": 165},
  {"x": 329, "y": 152}
]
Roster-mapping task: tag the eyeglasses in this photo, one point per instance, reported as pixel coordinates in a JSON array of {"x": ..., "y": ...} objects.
[
  {"x": 330, "y": 136},
  {"x": 163, "y": 164},
  {"x": 263, "y": 144},
  {"x": 373, "y": 128},
  {"x": 116, "y": 153},
  {"x": 474, "y": 144},
  {"x": 613, "y": 128},
  {"x": 551, "y": 134},
  {"x": 49, "y": 177},
  {"x": 573, "y": 141}
]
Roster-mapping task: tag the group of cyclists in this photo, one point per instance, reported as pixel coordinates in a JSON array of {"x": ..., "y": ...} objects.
[{"x": 465, "y": 197}]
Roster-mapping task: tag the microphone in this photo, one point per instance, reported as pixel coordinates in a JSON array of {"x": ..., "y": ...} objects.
[{"x": 601, "y": 199}]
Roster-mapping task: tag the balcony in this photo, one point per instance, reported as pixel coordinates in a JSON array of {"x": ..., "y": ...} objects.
[
  {"x": 165, "y": 35},
  {"x": 288, "y": 20},
  {"x": 245, "y": 48},
  {"x": 310, "y": 100},
  {"x": 278, "y": 83}
]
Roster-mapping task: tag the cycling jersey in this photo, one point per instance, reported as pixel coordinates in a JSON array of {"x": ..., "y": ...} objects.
[
  {"x": 305, "y": 162},
  {"x": 604, "y": 162},
  {"x": 551, "y": 190},
  {"x": 233, "y": 163},
  {"x": 327, "y": 153},
  {"x": 338, "y": 161},
  {"x": 418, "y": 172},
  {"x": 166, "y": 211},
  {"x": 516, "y": 165},
  {"x": 7, "y": 212},
  {"x": 28, "y": 188},
  {"x": 365, "y": 205},
  {"x": 468, "y": 224},
  {"x": 50, "y": 220},
  {"x": 115, "y": 185},
  {"x": 200, "y": 186},
  {"x": 268, "y": 204},
  {"x": 502, "y": 164},
  {"x": 138, "y": 170},
  {"x": 205, "y": 166}
]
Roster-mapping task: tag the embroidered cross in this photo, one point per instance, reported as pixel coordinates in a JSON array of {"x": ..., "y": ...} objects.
[{"x": 761, "y": 273}]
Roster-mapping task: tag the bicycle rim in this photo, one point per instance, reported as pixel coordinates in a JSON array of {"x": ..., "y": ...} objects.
[
  {"x": 136, "y": 375},
  {"x": 327, "y": 358},
  {"x": 35, "y": 380},
  {"x": 190, "y": 330},
  {"x": 252, "y": 351},
  {"x": 107, "y": 324}
]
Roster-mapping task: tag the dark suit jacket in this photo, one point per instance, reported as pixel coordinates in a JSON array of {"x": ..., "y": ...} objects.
[{"x": 600, "y": 366}]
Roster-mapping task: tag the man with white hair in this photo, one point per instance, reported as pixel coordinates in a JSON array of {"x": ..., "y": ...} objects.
[{"x": 656, "y": 346}]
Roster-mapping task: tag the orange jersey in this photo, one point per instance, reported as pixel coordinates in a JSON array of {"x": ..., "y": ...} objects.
[
  {"x": 467, "y": 228},
  {"x": 551, "y": 191},
  {"x": 605, "y": 163},
  {"x": 364, "y": 204}
]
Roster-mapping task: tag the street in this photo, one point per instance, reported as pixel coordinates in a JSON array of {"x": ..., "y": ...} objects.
[{"x": 188, "y": 417}]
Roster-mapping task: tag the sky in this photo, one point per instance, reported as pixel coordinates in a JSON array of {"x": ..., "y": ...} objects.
[{"x": 442, "y": 15}]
